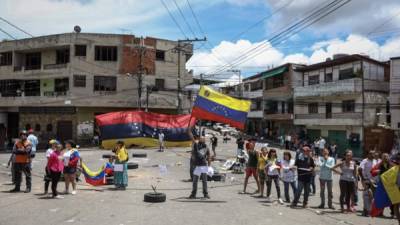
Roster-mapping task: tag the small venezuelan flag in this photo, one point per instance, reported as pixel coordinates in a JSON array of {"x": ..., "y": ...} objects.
[
  {"x": 214, "y": 106},
  {"x": 94, "y": 178},
  {"x": 387, "y": 192}
]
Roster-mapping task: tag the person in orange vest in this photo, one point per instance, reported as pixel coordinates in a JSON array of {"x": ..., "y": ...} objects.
[{"x": 22, "y": 151}]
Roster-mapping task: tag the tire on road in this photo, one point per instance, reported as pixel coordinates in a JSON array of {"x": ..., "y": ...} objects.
[
  {"x": 107, "y": 156},
  {"x": 132, "y": 165},
  {"x": 215, "y": 177},
  {"x": 155, "y": 197},
  {"x": 139, "y": 155}
]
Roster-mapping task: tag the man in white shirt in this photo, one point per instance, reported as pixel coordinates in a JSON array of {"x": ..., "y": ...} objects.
[
  {"x": 34, "y": 142},
  {"x": 366, "y": 166},
  {"x": 321, "y": 145},
  {"x": 161, "y": 141}
]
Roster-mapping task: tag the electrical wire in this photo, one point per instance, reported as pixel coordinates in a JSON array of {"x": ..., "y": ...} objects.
[
  {"x": 184, "y": 18},
  {"x": 173, "y": 18}
]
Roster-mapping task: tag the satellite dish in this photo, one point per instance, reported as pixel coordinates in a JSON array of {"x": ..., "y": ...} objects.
[{"x": 77, "y": 29}]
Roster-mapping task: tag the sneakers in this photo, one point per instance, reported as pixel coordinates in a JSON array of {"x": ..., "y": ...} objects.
[
  {"x": 206, "y": 196},
  {"x": 321, "y": 207},
  {"x": 58, "y": 197},
  {"x": 73, "y": 192},
  {"x": 27, "y": 190},
  {"x": 331, "y": 207},
  {"x": 15, "y": 190},
  {"x": 268, "y": 199},
  {"x": 280, "y": 201},
  {"x": 192, "y": 197}
]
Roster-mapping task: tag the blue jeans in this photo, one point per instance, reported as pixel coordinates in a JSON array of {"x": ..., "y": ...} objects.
[
  {"x": 302, "y": 185},
  {"x": 294, "y": 189}
]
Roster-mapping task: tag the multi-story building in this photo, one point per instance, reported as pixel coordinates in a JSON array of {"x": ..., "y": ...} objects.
[
  {"x": 395, "y": 93},
  {"x": 340, "y": 97},
  {"x": 56, "y": 84},
  {"x": 279, "y": 84},
  {"x": 252, "y": 89}
]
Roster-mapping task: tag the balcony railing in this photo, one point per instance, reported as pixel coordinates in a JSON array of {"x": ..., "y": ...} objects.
[
  {"x": 55, "y": 66},
  {"x": 347, "y": 115},
  {"x": 55, "y": 93},
  {"x": 33, "y": 67},
  {"x": 279, "y": 116}
]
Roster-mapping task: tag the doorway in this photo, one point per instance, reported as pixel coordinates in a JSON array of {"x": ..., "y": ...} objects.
[{"x": 64, "y": 130}]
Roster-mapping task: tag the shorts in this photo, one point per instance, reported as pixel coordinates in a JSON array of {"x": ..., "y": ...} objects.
[
  {"x": 69, "y": 170},
  {"x": 251, "y": 171},
  {"x": 262, "y": 175}
]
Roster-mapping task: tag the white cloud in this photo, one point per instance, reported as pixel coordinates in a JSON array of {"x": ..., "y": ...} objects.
[
  {"x": 353, "y": 44},
  {"x": 351, "y": 18}
]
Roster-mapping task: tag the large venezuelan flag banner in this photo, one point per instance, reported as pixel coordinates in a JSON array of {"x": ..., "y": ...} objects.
[
  {"x": 142, "y": 129},
  {"x": 214, "y": 106},
  {"x": 387, "y": 192}
]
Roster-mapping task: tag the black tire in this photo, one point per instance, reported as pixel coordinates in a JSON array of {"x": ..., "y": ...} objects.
[
  {"x": 139, "y": 155},
  {"x": 109, "y": 180},
  {"x": 132, "y": 165},
  {"x": 155, "y": 197},
  {"x": 215, "y": 177},
  {"x": 107, "y": 156}
]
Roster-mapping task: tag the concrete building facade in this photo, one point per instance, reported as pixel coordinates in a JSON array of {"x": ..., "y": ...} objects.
[
  {"x": 340, "y": 97},
  {"x": 395, "y": 93},
  {"x": 56, "y": 84}
]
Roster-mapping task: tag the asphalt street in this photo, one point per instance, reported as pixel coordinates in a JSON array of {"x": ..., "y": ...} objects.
[{"x": 102, "y": 205}]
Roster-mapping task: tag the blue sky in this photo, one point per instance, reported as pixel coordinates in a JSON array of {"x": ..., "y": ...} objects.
[{"x": 354, "y": 28}]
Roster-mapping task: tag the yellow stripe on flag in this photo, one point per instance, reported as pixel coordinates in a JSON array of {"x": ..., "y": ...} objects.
[
  {"x": 225, "y": 100},
  {"x": 389, "y": 181}
]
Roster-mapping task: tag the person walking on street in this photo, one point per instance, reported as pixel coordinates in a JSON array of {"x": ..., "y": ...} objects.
[
  {"x": 240, "y": 145},
  {"x": 201, "y": 160},
  {"x": 55, "y": 166},
  {"x": 365, "y": 168},
  {"x": 161, "y": 138},
  {"x": 326, "y": 163},
  {"x": 348, "y": 176},
  {"x": 305, "y": 167},
  {"x": 71, "y": 159},
  {"x": 22, "y": 152},
  {"x": 47, "y": 177},
  {"x": 321, "y": 146},
  {"x": 120, "y": 167},
  {"x": 34, "y": 142},
  {"x": 251, "y": 169},
  {"x": 273, "y": 169},
  {"x": 288, "y": 176},
  {"x": 262, "y": 160},
  {"x": 214, "y": 143}
]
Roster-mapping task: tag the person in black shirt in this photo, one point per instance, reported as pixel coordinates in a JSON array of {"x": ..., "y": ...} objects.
[
  {"x": 240, "y": 145},
  {"x": 305, "y": 167},
  {"x": 201, "y": 159},
  {"x": 214, "y": 143}
]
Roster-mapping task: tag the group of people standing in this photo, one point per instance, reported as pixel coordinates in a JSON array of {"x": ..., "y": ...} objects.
[{"x": 299, "y": 174}]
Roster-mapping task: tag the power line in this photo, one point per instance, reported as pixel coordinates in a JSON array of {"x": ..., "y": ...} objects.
[
  {"x": 8, "y": 34},
  {"x": 195, "y": 18},
  {"x": 16, "y": 27},
  {"x": 173, "y": 18},
  {"x": 184, "y": 18}
]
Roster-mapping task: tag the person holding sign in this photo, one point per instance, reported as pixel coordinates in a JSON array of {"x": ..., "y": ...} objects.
[{"x": 120, "y": 167}]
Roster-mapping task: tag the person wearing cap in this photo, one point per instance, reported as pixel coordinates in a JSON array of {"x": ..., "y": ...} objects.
[
  {"x": 22, "y": 151},
  {"x": 71, "y": 159},
  {"x": 120, "y": 160},
  {"x": 34, "y": 142},
  {"x": 305, "y": 167},
  {"x": 47, "y": 178}
]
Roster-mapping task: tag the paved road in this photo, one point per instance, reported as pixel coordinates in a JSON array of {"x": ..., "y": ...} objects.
[{"x": 101, "y": 205}]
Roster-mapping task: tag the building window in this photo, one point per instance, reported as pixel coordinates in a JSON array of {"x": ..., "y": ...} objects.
[
  {"x": 271, "y": 107},
  {"x": 33, "y": 61},
  {"x": 79, "y": 81},
  {"x": 5, "y": 58},
  {"x": 277, "y": 81},
  {"x": 160, "y": 55},
  {"x": 283, "y": 107},
  {"x": 290, "y": 106},
  {"x": 80, "y": 50},
  {"x": 61, "y": 86},
  {"x": 32, "y": 88},
  {"x": 105, "y": 53},
  {"x": 256, "y": 86},
  {"x": 346, "y": 74},
  {"x": 398, "y": 125},
  {"x": 160, "y": 84},
  {"x": 328, "y": 77},
  {"x": 37, "y": 127},
  {"x": 62, "y": 56},
  {"x": 102, "y": 83},
  {"x": 348, "y": 106},
  {"x": 313, "y": 80},
  {"x": 49, "y": 127},
  {"x": 313, "y": 108}
]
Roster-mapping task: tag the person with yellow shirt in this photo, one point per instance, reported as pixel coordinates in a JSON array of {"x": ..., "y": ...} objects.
[
  {"x": 262, "y": 159},
  {"x": 120, "y": 166}
]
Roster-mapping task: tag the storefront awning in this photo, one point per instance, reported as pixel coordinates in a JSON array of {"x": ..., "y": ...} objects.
[{"x": 274, "y": 72}]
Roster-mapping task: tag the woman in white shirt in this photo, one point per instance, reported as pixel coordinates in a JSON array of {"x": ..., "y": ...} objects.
[
  {"x": 273, "y": 170},
  {"x": 288, "y": 175}
]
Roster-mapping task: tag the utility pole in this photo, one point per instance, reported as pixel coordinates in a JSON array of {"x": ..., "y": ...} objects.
[
  {"x": 179, "y": 49},
  {"x": 140, "y": 72},
  {"x": 239, "y": 72}
]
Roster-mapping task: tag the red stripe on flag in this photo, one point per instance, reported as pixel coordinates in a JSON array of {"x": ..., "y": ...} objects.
[
  {"x": 375, "y": 211},
  {"x": 206, "y": 115}
]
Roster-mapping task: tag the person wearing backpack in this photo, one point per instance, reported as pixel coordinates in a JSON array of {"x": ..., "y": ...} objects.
[
  {"x": 201, "y": 160},
  {"x": 121, "y": 168}
]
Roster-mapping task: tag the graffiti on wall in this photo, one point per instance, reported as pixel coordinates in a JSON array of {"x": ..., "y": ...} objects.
[{"x": 85, "y": 130}]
